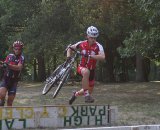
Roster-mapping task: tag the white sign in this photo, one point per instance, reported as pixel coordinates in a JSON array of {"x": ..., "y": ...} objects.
[{"x": 56, "y": 116}]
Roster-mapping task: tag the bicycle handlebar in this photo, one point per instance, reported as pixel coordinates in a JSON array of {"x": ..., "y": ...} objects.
[
  {"x": 78, "y": 53},
  {"x": 75, "y": 50},
  {"x": 3, "y": 64},
  {"x": 69, "y": 47}
]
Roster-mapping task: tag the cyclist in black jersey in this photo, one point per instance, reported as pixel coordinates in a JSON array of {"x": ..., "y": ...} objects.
[{"x": 12, "y": 66}]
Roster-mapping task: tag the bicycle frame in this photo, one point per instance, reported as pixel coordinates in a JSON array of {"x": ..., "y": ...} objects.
[{"x": 60, "y": 75}]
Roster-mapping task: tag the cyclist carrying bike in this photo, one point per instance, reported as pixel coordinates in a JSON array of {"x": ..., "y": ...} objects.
[
  {"x": 91, "y": 51},
  {"x": 12, "y": 66}
]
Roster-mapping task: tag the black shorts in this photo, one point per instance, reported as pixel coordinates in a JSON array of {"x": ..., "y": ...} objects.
[{"x": 10, "y": 84}]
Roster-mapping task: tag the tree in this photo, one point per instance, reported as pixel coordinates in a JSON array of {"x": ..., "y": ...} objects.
[
  {"x": 14, "y": 17},
  {"x": 47, "y": 34},
  {"x": 144, "y": 35}
]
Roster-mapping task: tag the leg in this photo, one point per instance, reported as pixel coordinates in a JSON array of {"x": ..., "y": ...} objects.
[
  {"x": 90, "y": 89},
  {"x": 91, "y": 86},
  {"x": 81, "y": 92},
  {"x": 85, "y": 80},
  {"x": 89, "y": 99},
  {"x": 90, "y": 83},
  {"x": 12, "y": 93},
  {"x": 85, "y": 86},
  {"x": 3, "y": 92},
  {"x": 10, "y": 99}
]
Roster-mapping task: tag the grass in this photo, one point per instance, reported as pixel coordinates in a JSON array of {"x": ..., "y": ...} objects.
[{"x": 138, "y": 103}]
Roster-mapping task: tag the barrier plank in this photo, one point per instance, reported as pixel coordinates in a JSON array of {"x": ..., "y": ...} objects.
[{"x": 57, "y": 116}]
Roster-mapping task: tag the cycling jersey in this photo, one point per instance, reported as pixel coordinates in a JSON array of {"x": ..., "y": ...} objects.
[
  {"x": 13, "y": 60},
  {"x": 11, "y": 77},
  {"x": 93, "y": 49}
]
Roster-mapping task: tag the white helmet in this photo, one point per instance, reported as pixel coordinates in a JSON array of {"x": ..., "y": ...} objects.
[
  {"x": 92, "y": 31},
  {"x": 18, "y": 44}
]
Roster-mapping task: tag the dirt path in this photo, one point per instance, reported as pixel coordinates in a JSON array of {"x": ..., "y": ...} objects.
[{"x": 138, "y": 103}]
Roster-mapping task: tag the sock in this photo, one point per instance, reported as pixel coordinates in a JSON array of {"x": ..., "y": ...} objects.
[
  {"x": 77, "y": 94},
  {"x": 86, "y": 92}
]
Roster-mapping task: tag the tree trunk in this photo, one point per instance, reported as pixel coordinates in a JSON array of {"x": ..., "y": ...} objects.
[
  {"x": 109, "y": 62},
  {"x": 35, "y": 69},
  {"x": 139, "y": 68},
  {"x": 41, "y": 67},
  {"x": 124, "y": 75},
  {"x": 146, "y": 68},
  {"x": 142, "y": 68},
  {"x": 99, "y": 73}
]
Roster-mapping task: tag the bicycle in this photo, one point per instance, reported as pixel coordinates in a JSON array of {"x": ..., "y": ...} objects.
[{"x": 60, "y": 74}]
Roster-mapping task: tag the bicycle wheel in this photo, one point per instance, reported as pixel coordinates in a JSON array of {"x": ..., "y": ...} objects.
[
  {"x": 51, "y": 80},
  {"x": 61, "y": 82}
]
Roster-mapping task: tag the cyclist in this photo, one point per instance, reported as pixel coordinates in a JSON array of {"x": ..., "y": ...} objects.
[
  {"x": 91, "y": 51},
  {"x": 12, "y": 66}
]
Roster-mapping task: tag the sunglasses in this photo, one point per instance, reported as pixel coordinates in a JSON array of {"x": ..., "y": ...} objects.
[{"x": 17, "y": 49}]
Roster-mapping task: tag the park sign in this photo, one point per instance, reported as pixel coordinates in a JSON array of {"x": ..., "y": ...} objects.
[{"x": 57, "y": 116}]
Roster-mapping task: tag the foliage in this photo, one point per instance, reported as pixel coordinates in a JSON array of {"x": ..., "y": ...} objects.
[
  {"x": 144, "y": 36},
  {"x": 47, "y": 32},
  {"x": 58, "y": 24},
  {"x": 48, "y": 26}
]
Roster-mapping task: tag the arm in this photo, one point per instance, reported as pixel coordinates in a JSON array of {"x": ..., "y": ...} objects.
[
  {"x": 15, "y": 67},
  {"x": 101, "y": 54},
  {"x": 69, "y": 51},
  {"x": 74, "y": 46},
  {"x": 98, "y": 57}
]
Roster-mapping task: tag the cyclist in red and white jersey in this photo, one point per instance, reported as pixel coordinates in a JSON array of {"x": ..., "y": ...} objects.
[
  {"x": 12, "y": 66},
  {"x": 91, "y": 51}
]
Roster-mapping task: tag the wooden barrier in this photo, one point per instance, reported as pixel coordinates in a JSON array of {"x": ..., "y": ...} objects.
[
  {"x": 57, "y": 116},
  {"x": 138, "y": 127}
]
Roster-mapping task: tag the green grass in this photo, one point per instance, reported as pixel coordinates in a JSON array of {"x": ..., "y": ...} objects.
[{"x": 138, "y": 103}]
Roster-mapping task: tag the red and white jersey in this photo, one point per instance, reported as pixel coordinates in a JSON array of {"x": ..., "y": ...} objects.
[{"x": 85, "y": 48}]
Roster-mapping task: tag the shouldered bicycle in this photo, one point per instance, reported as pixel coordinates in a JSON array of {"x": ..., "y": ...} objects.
[{"x": 60, "y": 74}]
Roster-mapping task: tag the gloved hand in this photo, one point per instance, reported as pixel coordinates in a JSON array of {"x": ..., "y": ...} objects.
[
  {"x": 86, "y": 55},
  {"x": 4, "y": 65},
  {"x": 69, "y": 58}
]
